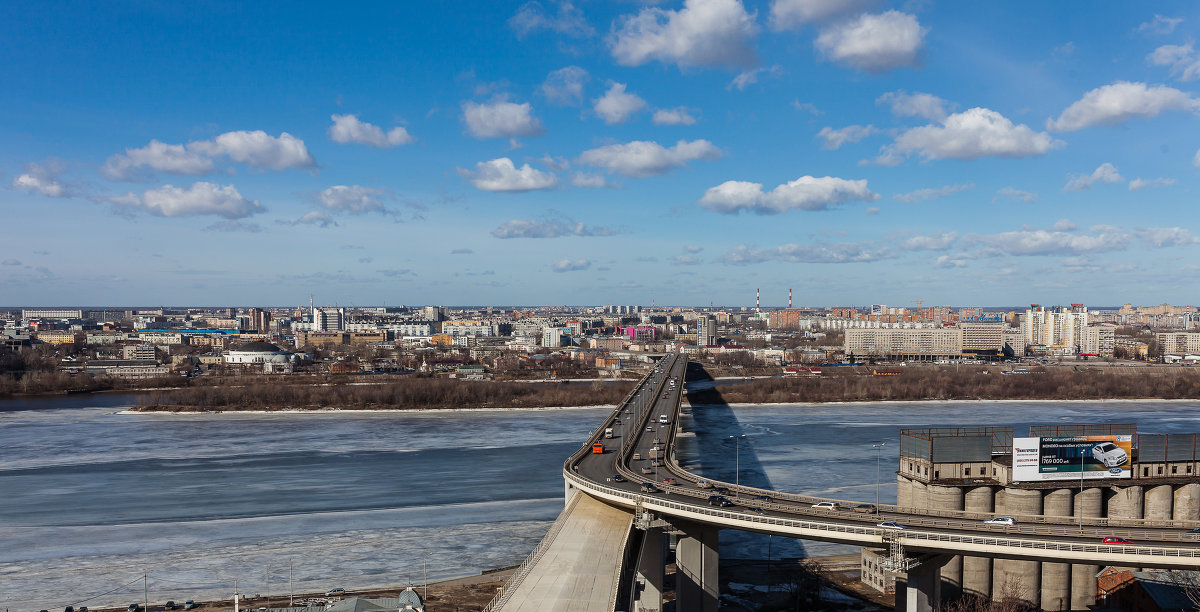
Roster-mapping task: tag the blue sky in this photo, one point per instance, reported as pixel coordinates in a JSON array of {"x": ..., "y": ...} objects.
[{"x": 599, "y": 152}]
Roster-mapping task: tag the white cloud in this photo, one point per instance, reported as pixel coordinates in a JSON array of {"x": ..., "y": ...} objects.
[
  {"x": 1106, "y": 173},
  {"x": 354, "y": 199},
  {"x": 1162, "y": 237},
  {"x": 643, "y": 158},
  {"x": 1154, "y": 183},
  {"x": 920, "y": 195},
  {"x": 873, "y": 43},
  {"x": 1120, "y": 102},
  {"x": 1160, "y": 25},
  {"x": 175, "y": 159},
  {"x": 593, "y": 181},
  {"x": 807, "y": 107},
  {"x": 557, "y": 164},
  {"x": 501, "y": 119},
  {"x": 44, "y": 179},
  {"x": 702, "y": 33},
  {"x": 836, "y": 253},
  {"x": 348, "y": 129},
  {"x": 315, "y": 217},
  {"x": 1041, "y": 242},
  {"x": 531, "y": 17},
  {"x": 565, "y": 86},
  {"x": 502, "y": 175},
  {"x": 259, "y": 149},
  {"x": 834, "y": 139},
  {"x": 674, "y": 116},
  {"x": 1010, "y": 192},
  {"x": 1185, "y": 65},
  {"x": 793, "y": 14},
  {"x": 1064, "y": 225},
  {"x": 528, "y": 228},
  {"x": 616, "y": 105},
  {"x": 937, "y": 241},
  {"x": 971, "y": 134},
  {"x": 747, "y": 78},
  {"x": 569, "y": 265},
  {"x": 916, "y": 104},
  {"x": 804, "y": 193},
  {"x": 201, "y": 198}
]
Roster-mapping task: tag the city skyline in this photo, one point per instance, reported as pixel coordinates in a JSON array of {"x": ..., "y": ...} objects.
[{"x": 600, "y": 153}]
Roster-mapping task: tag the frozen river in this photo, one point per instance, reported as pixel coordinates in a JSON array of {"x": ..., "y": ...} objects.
[{"x": 92, "y": 499}]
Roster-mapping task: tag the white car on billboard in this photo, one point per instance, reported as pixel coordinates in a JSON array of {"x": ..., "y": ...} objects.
[{"x": 1109, "y": 454}]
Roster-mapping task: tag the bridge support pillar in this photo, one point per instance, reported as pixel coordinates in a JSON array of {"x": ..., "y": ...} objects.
[
  {"x": 1089, "y": 503},
  {"x": 922, "y": 586},
  {"x": 648, "y": 594},
  {"x": 977, "y": 571},
  {"x": 696, "y": 560}
]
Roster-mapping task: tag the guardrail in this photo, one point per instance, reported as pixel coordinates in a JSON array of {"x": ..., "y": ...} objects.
[{"x": 534, "y": 556}]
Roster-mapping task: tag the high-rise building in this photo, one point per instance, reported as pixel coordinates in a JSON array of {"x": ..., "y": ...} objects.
[
  {"x": 328, "y": 319},
  {"x": 1061, "y": 328},
  {"x": 706, "y": 330}
]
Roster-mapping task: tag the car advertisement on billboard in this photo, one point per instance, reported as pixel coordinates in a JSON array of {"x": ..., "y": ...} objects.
[{"x": 1072, "y": 458}]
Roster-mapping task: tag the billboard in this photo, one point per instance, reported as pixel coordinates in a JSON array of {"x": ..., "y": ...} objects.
[{"x": 1072, "y": 457}]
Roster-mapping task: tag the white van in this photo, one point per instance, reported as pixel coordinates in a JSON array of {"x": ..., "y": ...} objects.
[{"x": 662, "y": 418}]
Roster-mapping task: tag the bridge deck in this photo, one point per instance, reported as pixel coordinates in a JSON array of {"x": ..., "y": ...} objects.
[{"x": 579, "y": 570}]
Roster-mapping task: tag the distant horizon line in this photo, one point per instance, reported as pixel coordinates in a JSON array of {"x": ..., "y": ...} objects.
[{"x": 514, "y": 306}]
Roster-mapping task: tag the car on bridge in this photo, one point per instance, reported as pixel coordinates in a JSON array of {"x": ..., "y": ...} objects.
[
  {"x": 890, "y": 525},
  {"x": 704, "y": 484},
  {"x": 765, "y": 498},
  {"x": 648, "y": 487},
  {"x": 825, "y": 505},
  {"x": 647, "y": 469},
  {"x": 616, "y": 478},
  {"x": 756, "y": 510},
  {"x": 669, "y": 481},
  {"x": 1116, "y": 540},
  {"x": 864, "y": 508},
  {"x": 722, "y": 490},
  {"x": 719, "y": 500},
  {"x": 1001, "y": 520}
]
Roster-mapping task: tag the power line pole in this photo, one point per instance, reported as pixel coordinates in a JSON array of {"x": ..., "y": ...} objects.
[
  {"x": 291, "y": 592},
  {"x": 146, "y": 589}
]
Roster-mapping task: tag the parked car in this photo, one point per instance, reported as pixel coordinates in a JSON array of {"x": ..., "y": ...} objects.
[
  {"x": 1116, "y": 540},
  {"x": 1001, "y": 520},
  {"x": 825, "y": 505},
  {"x": 648, "y": 487},
  {"x": 189, "y": 604},
  {"x": 616, "y": 478},
  {"x": 335, "y": 591},
  {"x": 890, "y": 525},
  {"x": 719, "y": 500}
]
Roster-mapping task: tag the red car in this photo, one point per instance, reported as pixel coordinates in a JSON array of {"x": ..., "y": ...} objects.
[
  {"x": 1116, "y": 540},
  {"x": 668, "y": 481}
]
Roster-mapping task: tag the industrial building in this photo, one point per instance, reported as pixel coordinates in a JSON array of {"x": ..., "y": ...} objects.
[{"x": 1084, "y": 471}]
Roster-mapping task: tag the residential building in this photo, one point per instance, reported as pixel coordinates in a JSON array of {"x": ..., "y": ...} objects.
[
  {"x": 706, "y": 330},
  {"x": 915, "y": 344},
  {"x": 51, "y": 313},
  {"x": 1179, "y": 343}
]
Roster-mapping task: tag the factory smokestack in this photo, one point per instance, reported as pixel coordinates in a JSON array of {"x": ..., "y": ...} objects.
[
  {"x": 789, "y": 297},
  {"x": 756, "y": 300}
]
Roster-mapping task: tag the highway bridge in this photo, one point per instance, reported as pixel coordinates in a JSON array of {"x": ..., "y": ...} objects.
[{"x": 606, "y": 551}]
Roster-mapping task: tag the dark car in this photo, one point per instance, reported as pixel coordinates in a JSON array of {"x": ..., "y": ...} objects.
[
  {"x": 616, "y": 478},
  {"x": 765, "y": 498},
  {"x": 648, "y": 487},
  {"x": 756, "y": 510},
  {"x": 722, "y": 490},
  {"x": 719, "y": 500},
  {"x": 170, "y": 605},
  {"x": 133, "y": 607},
  {"x": 1194, "y": 530},
  {"x": 864, "y": 508}
]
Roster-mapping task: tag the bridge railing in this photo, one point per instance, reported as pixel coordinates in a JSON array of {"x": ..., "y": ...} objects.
[{"x": 534, "y": 556}]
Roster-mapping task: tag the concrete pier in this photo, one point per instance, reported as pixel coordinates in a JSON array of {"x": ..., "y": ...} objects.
[
  {"x": 977, "y": 571},
  {"x": 1088, "y": 503},
  {"x": 1187, "y": 502},
  {"x": 948, "y": 498},
  {"x": 696, "y": 560},
  {"x": 1056, "y": 577}
]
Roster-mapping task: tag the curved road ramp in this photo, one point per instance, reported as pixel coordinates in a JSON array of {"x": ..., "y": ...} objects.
[{"x": 577, "y": 566}]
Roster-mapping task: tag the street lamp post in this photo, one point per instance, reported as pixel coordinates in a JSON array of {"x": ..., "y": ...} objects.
[
  {"x": 737, "y": 464},
  {"x": 878, "y": 450}
]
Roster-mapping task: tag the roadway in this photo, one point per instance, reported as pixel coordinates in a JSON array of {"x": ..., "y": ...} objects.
[{"x": 792, "y": 515}]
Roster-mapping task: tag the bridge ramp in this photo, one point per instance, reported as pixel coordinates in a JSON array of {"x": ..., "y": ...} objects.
[{"x": 579, "y": 570}]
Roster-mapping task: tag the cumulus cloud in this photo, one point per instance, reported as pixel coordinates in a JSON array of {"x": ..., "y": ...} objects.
[
  {"x": 916, "y": 104},
  {"x": 835, "y": 253},
  {"x": 674, "y": 116},
  {"x": 937, "y": 241},
  {"x": 572, "y": 265},
  {"x": 804, "y": 193},
  {"x": 874, "y": 43},
  {"x": 643, "y": 158},
  {"x": 1162, "y": 237},
  {"x": 532, "y": 17},
  {"x": 348, "y": 129},
  {"x": 354, "y": 199},
  {"x": 592, "y": 181},
  {"x": 747, "y": 78},
  {"x": 502, "y": 175},
  {"x": 175, "y": 159},
  {"x": 1027, "y": 242},
  {"x": 44, "y": 179},
  {"x": 617, "y": 105},
  {"x": 834, "y": 139},
  {"x": 564, "y": 86},
  {"x": 793, "y": 14},
  {"x": 1120, "y": 102},
  {"x": 921, "y": 195},
  {"x": 971, "y": 134},
  {"x": 501, "y": 119},
  {"x": 807, "y": 107},
  {"x": 1159, "y": 25},
  {"x": 528, "y": 228},
  {"x": 259, "y": 149},
  {"x": 1106, "y": 173},
  {"x": 1184, "y": 63},
  {"x": 1011, "y": 192},
  {"x": 201, "y": 198},
  {"x": 702, "y": 33}
]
